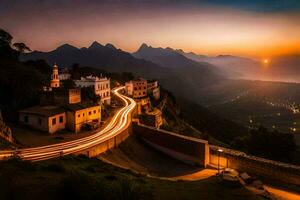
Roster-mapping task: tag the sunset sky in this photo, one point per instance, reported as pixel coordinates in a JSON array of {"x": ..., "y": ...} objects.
[{"x": 257, "y": 28}]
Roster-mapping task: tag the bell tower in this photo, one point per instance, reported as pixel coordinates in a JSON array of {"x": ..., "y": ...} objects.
[{"x": 54, "y": 77}]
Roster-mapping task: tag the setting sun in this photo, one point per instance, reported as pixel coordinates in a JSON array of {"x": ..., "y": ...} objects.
[{"x": 266, "y": 61}]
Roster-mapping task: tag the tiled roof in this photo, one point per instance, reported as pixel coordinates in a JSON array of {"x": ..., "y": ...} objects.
[
  {"x": 80, "y": 106},
  {"x": 46, "y": 111}
]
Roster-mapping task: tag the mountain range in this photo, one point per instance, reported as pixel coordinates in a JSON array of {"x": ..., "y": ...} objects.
[
  {"x": 177, "y": 73},
  {"x": 106, "y": 57}
]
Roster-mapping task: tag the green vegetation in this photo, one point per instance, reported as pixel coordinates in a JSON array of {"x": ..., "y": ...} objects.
[{"x": 83, "y": 178}]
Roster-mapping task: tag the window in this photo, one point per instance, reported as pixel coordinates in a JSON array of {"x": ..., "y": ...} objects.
[
  {"x": 106, "y": 85},
  {"x": 135, "y": 88},
  {"x": 143, "y": 92},
  {"x": 26, "y": 119},
  {"x": 82, "y": 114},
  {"x": 53, "y": 121},
  {"x": 39, "y": 121},
  {"x": 61, "y": 119},
  {"x": 107, "y": 93},
  {"x": 90, "y": 112},
  {"x": 78, "y": 115},
  {"x": 94, "y": 111},
  {"x": 145, "y": 87},
  {"x": 98, "y": 110}
]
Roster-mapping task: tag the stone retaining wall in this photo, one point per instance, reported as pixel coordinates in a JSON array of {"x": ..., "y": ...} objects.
[
  {"x": 187, "y": 149},
  {"x": 255, "y": 165}
]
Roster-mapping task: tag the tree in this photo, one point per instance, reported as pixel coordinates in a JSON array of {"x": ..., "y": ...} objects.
[
  {"x": 5, "y": 49},
  {"x": 21, "y": 47},
  {"x": 5, "y": 38}
]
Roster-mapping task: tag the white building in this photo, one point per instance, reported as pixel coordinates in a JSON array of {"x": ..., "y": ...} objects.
[
  {"x": 64, "y": 74},
  {"x": 101, "y": 86}
]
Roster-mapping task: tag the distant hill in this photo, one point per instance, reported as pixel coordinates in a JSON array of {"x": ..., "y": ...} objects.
[
  {"x": 168, "y": 58},
  {"x": 281, "y": 68},
  {"x": 172, "y": 59},
  {"x": 234, "y": 66}
]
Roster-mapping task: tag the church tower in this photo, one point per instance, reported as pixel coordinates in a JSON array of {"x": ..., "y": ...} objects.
[{"x": 54, "y": 77}]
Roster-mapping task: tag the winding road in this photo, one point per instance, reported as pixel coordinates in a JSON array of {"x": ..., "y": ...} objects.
[{"x": 119, "y": 122}]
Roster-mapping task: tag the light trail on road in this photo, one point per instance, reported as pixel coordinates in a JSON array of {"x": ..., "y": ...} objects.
[{"x": 119, "y": 122}]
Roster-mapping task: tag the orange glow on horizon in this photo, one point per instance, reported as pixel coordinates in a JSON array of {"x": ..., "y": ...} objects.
[{"x": 203, "y": 30}]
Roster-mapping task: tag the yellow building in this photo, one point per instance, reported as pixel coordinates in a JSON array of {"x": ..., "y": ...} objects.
[
  {"x": 55, "y": 83},
  {"x": 45, "y": 118},
  {"x": 81, "y": 115}
]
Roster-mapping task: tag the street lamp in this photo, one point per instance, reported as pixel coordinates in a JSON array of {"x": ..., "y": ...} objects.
[{"x": 219, "y": 151}]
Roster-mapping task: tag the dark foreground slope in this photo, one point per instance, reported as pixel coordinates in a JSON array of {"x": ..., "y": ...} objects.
[{"x": 83, "y": 178}]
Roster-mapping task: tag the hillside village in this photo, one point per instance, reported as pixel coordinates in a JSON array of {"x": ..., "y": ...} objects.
[{"x": 65, "y": 106}]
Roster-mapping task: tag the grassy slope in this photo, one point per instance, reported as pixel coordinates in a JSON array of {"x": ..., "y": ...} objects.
[{"x": 84, "y": 178}]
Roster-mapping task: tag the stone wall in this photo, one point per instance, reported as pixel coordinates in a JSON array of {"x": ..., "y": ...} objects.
[
  {"x": 187, "y": 149},
  {"x": 255, "y": 165},
  {"x": 110, "y": 143}
]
